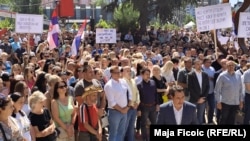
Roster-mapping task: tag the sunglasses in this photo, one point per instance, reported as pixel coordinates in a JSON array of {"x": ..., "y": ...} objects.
[{"x": 61, "y": 87}]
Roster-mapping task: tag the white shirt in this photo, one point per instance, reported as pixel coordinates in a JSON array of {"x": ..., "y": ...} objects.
[
  {"x": 178, "y": 114},
  {"x": 24, "y": 125},
  {"x": 116, "y": 93},
  {"x": 107, "y": 74},
  {"x": 199, "y": 77},
  {"x": 138, "y": 79}
]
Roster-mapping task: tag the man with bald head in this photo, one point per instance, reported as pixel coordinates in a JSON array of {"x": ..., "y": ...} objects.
[{"x": 229, "y": 94}]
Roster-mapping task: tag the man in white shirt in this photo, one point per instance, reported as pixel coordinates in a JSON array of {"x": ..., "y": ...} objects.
[
  {"x": 135, "y": 100},
  {"x": 118, "y": 97}
]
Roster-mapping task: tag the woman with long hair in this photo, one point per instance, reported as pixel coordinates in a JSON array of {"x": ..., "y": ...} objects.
[
  {"x": 8, "y": 125},
  {"x": 16, "y": 70},
  {"x": 63, "y": 112},
  {"x": 29, "y": 77},
  {"x": 22, "y": 88},
  {"x": 49, "y": 63},
  {"x": 161, "y": 84},
  {"x": 41, "y": 82},
  {"x": 167, "y": 71},
  {"x": 52, "y": 80},
  {"x": 20, "y": 116}
]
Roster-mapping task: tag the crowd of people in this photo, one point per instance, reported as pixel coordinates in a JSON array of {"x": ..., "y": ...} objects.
[{"x": 167, "y": 77}]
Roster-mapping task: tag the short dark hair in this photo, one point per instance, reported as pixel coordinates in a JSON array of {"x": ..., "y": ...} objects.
[
  {"x": 175, "y": 88},
  {"x": 175, "y": 60},
  {"x": 145, "y": 70},
  {"x": 113, "y": 68},
  {"x": 206, "y": 59}
]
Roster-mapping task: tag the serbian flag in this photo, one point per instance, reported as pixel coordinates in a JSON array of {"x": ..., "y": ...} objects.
[
  {"x": 77, "y": 40},
  {"x": 54, "y": 30}
]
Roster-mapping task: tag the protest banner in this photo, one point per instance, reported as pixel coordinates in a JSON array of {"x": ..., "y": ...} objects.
[
  {"x": 105, "y": 35},
  {"x": 29, "y": 23},
  {"x": 244, "y": 25},
  {"x": 213, "y": 17}
]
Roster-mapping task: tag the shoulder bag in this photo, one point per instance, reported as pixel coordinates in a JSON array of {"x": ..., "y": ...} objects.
[{"x": 4, "y": 136}]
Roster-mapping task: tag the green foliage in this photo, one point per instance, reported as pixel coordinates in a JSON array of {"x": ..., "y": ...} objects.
[
  {"x": 126, "y": 17},
  {"x": 99, "y": 2},
  {"x": 149, "y": 8},
  {"x": 26, "y": 6},
  {"x": 189, "y": 18},
  {"x": 170, "y": 26},
  {"x": 6, "y": 23},
  {"x": 104, "y": 24},
  {"x": 156, "y": 23}
]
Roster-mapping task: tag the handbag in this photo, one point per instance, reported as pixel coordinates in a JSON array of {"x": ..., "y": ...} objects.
[
  {"x": 4, "y": 136},
  {"x": 239, "y": 118},
  {"x": 61, "y": 133},
  {"x": 104, "y": 121}
]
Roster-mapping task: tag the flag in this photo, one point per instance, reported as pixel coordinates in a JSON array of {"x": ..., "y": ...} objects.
[
  {"x": 54, "y": 30},
  {"x": 77, "y": 40}
]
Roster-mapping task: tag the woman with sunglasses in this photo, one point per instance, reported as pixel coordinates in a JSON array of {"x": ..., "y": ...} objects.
[
  {"x": 63, "y": 112},
  {"x": 9, "y": 129},
  {"x": 20, "y": 115}
]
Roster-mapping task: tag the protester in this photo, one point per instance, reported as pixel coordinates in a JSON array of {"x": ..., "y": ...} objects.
[
  {"x": 178, "y": 111},
  {"x": 40, "y": 118},
  {"x": 20, "y": 116},
  {"x": 8, "y": 125}
]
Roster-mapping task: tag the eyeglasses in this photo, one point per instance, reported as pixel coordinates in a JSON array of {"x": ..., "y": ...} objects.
[{"x": 61, "y": 87}]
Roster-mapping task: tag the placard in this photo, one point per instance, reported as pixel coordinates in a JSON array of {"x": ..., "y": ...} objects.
[
  {"x": 29, "y": 23},
  {"x": 104, "y": 35},
  {"x": 213, "y": 17},
  {"x": 244, "y": 25}
]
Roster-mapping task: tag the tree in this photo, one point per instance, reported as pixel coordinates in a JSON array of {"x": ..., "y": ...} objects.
[
  {"x": 99, "y": 2},
  {"x": 126, "y": 17},
  {"x": 164, "y": 8},
  {"x": 6, "y": 23},
  {"x": 188, "y": 18},
  {"x": 26, "y": 6}
]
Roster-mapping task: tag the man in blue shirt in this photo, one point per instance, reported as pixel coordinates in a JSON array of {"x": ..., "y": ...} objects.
[{"x": 149, "y": 105}]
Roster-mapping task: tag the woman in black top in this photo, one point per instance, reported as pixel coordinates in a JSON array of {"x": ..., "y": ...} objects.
[
  {"x": 160, "y": 82},
  {"x": 40, "y": 118}
]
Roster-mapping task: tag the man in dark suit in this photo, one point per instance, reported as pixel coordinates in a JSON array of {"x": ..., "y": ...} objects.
[
  {"x": 177, "y": 111},
  {"x": 198, "y": 87}
]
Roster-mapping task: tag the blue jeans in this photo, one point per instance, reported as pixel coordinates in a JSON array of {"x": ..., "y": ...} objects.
[
  {"x": 117, "y": 125},
  {"x": 147, "y": 112},
  {"x": 200, "y": 112},
  {"x": 211, "y": 107},
  {"x": 130, "y": 132},
  {"x": 247, "y": 109}
]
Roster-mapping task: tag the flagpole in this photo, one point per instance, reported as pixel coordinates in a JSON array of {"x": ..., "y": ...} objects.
[
  {"x": 215, "y": 44},
  {"x": 28, "y": 45}
]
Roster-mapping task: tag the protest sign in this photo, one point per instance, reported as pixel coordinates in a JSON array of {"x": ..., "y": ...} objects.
[
  {"x": 29, "y": 23},
  {"x": 105, "y": 35},
  {"x": 213, "y": 17},
  {"x": 244, "y": 25}
]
